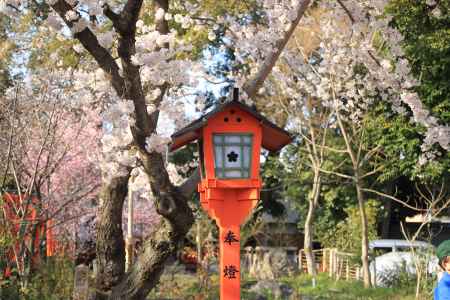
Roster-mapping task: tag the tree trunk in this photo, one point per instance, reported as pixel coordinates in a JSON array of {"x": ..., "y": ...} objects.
[
  {"x": 110, "y": 247},
  {"x": 146, "y": 271},
  {"x": 388, "y": 213},
  {"x": 355, "y": 158},
  {"x": 129, "y": 249},
  {"x": 364, "y": 234},
  {"x": 385, "y": 229},
  {"x": 309, "y": 230},
  {"x": 112, "y": 282}
]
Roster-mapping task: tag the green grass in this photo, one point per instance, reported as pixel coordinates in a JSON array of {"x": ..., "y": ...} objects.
[
  {"x": 187, "y": 287},
  {"x": 327, "y": 288},
  {"x": 54, "y": 281}
]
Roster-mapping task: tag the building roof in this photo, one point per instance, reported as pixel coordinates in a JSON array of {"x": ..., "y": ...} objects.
[
  {"x": 422, "y": 218},
  {"x": 387, "y": 243},
  {"x": 273, "y": 137}
]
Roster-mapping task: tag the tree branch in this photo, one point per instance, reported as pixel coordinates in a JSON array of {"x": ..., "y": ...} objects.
[
  {"x": 129, "y": 16},
  {"x": 393, "y": 198},
  {"x": 190, "y": 185},
  {"x": 10, "y": 142},
  {"x": 114, "y": 17},
  {"x": 347, "y": 11},
  {"x": 88, "y": 39},
  {"x": 374, "y": 171},
  {"x": 252, "y": 86},
  {"x": 331, "y": 172}
]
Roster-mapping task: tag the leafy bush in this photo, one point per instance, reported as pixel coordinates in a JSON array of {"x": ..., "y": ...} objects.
[
  {"x": 347, "y": 234},
  {"x": 52, "y": 280}
]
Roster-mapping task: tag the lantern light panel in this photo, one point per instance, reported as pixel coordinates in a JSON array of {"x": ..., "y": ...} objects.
[{"x": 232, "y": 155}]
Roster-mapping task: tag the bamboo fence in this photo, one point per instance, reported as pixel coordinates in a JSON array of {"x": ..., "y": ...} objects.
[{"x": 339, "y": 265}]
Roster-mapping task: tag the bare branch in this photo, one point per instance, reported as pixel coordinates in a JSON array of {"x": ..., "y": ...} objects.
[
  {"x": 40, "y": 152},
  {"x": 331, "y": 149},
  {"x": 347, "y": 11},
  {"x": 360, "y": 146},
  {"x": 70, "y": 201},
  {"x": 393, "y": 198},
  {"x": 346, "y": 139},
  {"x": 374, "y": 171},
  {"x": 369, "y": 155},
  {"x": 331, "y": 172},
  {"x": 10, "y": 142}
]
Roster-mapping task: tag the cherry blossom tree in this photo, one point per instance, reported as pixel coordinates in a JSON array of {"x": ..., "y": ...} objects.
[{"x": 50, "y": 154}]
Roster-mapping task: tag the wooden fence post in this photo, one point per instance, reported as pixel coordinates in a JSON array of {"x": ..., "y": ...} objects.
[
  {"x": 336, "y": 264},
  {"x": 347, "y": 270},
  {"x": 331, "y": 263},
  {"x": 374, "y": 284},
  {"x": 300, "y": 260}
]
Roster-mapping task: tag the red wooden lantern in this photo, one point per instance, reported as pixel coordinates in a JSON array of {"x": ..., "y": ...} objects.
[{"x": 230, "y": 139}]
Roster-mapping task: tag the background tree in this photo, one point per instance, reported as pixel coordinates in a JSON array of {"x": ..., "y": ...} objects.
[{"x": 47, "y": 167}]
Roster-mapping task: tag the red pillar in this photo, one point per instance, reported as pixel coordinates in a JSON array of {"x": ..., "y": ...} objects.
[
  {"x": 229, "y": 207},
  {"x": 230, "y": 264}
]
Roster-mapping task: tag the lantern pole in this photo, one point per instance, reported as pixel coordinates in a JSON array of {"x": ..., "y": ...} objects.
[{"x": 230, "y": 263}]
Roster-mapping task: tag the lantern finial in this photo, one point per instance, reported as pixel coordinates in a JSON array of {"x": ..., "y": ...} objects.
[{"x": 236, "y": 94}]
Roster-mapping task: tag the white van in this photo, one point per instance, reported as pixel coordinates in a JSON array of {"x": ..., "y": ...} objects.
[
  {"x": 398, "y": 245},
  {"x": 398, "y": 256}
]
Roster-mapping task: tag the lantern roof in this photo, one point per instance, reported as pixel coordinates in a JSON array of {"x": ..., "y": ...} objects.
[{"x": 273, "y": 137}]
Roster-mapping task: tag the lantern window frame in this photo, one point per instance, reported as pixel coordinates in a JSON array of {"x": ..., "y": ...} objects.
[{"x": 220, "y": 171}]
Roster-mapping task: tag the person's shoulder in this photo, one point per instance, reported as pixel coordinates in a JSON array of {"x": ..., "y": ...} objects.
[
  {"x": 442, "y": 291},
  {"x": 445, "y": 279}
]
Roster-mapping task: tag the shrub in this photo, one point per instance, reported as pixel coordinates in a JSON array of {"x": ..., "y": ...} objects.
[{"x": 52, "y": 280}]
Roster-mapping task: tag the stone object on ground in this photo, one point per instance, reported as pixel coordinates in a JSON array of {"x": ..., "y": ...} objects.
[
  {"x": 270, "y": 287},
  {"x": 274, "y": 265},
  {"x": 81, "y": 283},
  {"x": 270, "y": 263}
]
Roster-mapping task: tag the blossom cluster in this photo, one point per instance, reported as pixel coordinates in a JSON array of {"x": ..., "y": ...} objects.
[
  {"x": 116, "y": 140},
  {"x": 255, "y": 41},
  {"x": 346, "y": 70}
]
